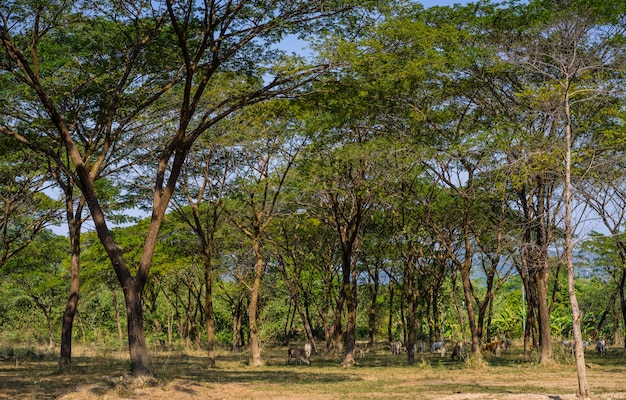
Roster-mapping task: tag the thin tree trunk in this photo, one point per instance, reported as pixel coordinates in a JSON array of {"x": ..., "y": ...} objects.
[
  {"x": 208, "y": 310},
  {"x": 350, "y": 334},
  {"x": 373, "y": 309},
  {"x": 72, "y": 302},
  {"x": 253, "y": 307},
  {"x": 583, "y": 387},
  {"x": 390, "y": 321},
  {"x": 410, "y": 301}
]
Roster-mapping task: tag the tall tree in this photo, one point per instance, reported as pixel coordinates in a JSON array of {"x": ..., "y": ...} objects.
[
  {"x": 266, "y": 158},
  {"x": 182, "y": 45},
  {"x": 573, "y": 52}
]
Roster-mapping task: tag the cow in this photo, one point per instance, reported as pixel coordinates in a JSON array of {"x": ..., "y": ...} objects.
[
  {"x": 396, "y": 347},
  {"x": 308, "y": 348},
  {"x": 457, "y": 352},
  {"x": 439, "y": 347},
  {"x": 298, "y": 354},
  {"x": 495, "y": 347},
  {"x": 601, "y": 347},
  {"x": 359, "y": 352}
]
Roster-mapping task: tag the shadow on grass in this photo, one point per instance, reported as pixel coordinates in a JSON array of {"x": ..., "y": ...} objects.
[{"x": 37, "y": 377}]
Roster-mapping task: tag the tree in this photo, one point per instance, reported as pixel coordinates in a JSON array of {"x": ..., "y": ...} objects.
[
  {"x": 571, "y": 50},
  {"x": 265, "y": 161},
  {"x": 178, "y": 46}
]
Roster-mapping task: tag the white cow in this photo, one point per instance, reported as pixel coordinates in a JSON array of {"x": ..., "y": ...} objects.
[{"x": 439, "y": 347}]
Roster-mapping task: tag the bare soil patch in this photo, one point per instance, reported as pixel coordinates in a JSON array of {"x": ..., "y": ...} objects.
[{"x": 181, "y": 375}]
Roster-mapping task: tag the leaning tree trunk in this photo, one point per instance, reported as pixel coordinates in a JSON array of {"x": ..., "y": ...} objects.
[{"x": 74, "y": 224}]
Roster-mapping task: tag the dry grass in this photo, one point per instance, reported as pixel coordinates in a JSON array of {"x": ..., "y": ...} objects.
[{"x": 101, "y": 373}]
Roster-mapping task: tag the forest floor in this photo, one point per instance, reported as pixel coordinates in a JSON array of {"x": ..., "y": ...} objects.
[{"x": 101, "y": 373}]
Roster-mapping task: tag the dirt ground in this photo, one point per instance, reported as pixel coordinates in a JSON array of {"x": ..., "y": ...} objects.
[{"x": 182, "y": 375}]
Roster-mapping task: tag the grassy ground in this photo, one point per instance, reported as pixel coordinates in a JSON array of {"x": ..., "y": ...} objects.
[{"x": 100, "y": 373}]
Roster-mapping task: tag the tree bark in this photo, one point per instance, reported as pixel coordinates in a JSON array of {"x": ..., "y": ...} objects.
[
  {"x": 208, "y": 311},
  {"x": 373, "y": 309},
  {"x": 253, "y": 306},
  {"x": 65, "y": 358},
  {"x": 410, "y": 301},
  {"x": 136, "y": 336}
]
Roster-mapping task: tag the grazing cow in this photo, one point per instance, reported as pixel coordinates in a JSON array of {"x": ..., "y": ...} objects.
[
  {"x": 495, "y": 347},
  {"x": 299, "y": 355},
  {"x": 457, "y": 352},
  {"x": 601, "y": 347},
  {"x": 308, "y": 348},
  {"x": 585, "y": 344},
  {"x": 396, "y": 347},
  {"x": 438, "y": 347}
]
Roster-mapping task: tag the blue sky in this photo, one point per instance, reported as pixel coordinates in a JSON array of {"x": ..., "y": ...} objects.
[{"x": 430, "y": 3}]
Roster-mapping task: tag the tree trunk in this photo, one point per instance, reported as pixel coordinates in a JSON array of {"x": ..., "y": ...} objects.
[
  {"x": 253, "y": 307},
  {"x": 350, "y": 334},
  {"x": 583, "y": 388},
  {"x": 410, "y": 301},
  {"x": 208, "y": 310},
  {"x": 136, "y": 336},
  {"x": 469, "y": 305},
  {"x": 373, "y": 309},
  {"x": 545, "y": 341},
  {"x": 72, "y": 303},
  {"x": 390, "y": 321},
  {"x": 459, "y": 309},
  {"x": 237, "y": 317}
]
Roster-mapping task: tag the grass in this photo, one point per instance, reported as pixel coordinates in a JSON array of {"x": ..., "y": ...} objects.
[{"x": 101, "y": 373}]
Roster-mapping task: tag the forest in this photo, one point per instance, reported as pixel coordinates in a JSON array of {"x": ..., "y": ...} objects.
[{"x": 234, "y": 174}]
